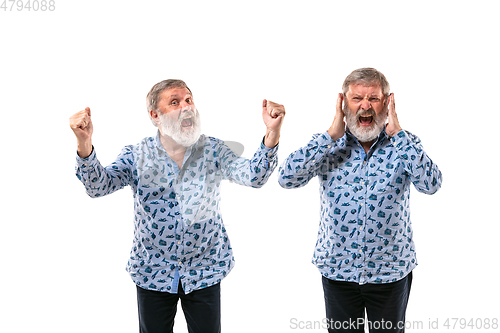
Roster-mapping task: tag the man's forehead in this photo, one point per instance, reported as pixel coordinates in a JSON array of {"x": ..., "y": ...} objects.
[
  {"x": 175, "y": 92},
  {"x": 362, "y": 88}
]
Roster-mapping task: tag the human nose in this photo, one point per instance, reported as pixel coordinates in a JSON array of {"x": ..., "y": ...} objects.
[
  {"x": 185, "y": 106},
  {"x": 365, "y": 104}
]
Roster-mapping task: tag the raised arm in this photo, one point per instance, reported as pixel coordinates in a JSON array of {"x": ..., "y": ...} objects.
[
  {"x": 81, "y": 124},
  {"x": 98, "y": 180}
]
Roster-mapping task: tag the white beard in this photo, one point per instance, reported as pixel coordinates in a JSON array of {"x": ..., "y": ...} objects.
[
  {"x": 367, "y": 134},
  {"x": 173, "y": 128}
]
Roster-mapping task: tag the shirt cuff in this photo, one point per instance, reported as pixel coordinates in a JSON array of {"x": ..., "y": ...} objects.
[
  {"x": 269, "y": 152},
  {"x": 400, "y": 139},
  {"x": 324, "y": 139},
  {"x": 86, "y": 161}
]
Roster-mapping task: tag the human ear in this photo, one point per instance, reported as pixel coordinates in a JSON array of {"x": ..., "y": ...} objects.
[{"x": 155, "y": 116}]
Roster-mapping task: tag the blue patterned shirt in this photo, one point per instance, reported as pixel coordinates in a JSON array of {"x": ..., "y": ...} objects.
[
  {"x": 365, "y": 234},
  {"x": 179, "y": 236}
]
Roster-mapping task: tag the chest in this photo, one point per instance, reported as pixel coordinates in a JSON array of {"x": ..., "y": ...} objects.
[{"x": 352, "y": 170}]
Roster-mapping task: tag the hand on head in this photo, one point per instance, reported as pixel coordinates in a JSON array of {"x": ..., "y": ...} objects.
[
  {"x": 392, "y": 128},
  {"x": 337, "y": 129}
]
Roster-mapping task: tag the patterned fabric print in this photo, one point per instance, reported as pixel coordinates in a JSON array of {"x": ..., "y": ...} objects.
[
  {"x": 365, "y": 233},
  {"x": 178, "y": 226}
]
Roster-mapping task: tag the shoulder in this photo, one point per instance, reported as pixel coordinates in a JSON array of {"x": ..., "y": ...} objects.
[
  {"x": 210, "y": 141},
  {"x": 405, "y": 136},
  {"x": 146, "y": 145},
  {"x": 213, "y": 141}
]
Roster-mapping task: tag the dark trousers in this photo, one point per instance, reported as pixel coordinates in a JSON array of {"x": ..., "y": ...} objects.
[
  {"x": 385, "y": 305},
  {"x": 201, "y": 309}
]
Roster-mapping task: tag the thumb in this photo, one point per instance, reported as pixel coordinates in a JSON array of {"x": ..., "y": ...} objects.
[{"x": 265, "y": 112}]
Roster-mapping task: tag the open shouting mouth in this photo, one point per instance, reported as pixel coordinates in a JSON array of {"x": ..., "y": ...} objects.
[
  {"x": 187, "y": 122},
  {"x": 365, "y": 120}
]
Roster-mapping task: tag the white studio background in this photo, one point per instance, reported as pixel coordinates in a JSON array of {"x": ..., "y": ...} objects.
[{"x": 64, "y": 254}]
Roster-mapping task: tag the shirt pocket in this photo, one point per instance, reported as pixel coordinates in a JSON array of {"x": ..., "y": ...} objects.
[{"x": 387, "y": 178}]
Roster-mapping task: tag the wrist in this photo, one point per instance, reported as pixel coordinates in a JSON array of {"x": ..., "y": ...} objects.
[
  {"x": 394, "y": 132},
  {"x": 84, "y": 149},
  {"x": 271, "y": 139},
  {"x": 334, "y": 135}
]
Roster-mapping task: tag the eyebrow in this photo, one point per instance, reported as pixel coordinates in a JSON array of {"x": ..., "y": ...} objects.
[
  {"x": 371, "y": 96},
  {"x": 177, "y": 96}
]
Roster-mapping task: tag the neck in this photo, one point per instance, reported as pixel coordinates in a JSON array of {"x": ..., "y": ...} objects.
[
  {"x": 173, "y": 149},
  {"x": 367, "y": 145}
]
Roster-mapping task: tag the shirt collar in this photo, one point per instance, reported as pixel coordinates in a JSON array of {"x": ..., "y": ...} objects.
[
  {"x": 380, "y": 137},
  {"x": 196, "y": 145}
]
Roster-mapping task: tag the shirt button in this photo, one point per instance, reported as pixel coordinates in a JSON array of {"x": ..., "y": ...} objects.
[
  {"x": 178, "y": 220},
  {"x": 180, "y": 262},
  {"x": 328, "y": 146},
  {"x": 179, "y": 242},
  {"x": 360, "y": 251},
  {"x": 360, "y": 228}
]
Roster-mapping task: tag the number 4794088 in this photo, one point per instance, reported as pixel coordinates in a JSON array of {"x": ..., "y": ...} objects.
[
  {"x": 28, "y": 5},
  {"x": 473, "y": 323}
]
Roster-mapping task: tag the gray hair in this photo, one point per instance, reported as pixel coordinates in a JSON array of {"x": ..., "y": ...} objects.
[
  {"x": 367, "y": 76},
  {"x": 153, "y": 97}
]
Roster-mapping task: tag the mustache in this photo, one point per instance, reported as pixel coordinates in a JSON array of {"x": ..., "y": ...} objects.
[
  {"x": 190, "y": 113},
  {"x": 369, "y": 112},
  {"x": 364, "y": 113}
]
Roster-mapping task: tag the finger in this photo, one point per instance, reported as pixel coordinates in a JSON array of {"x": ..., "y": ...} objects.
[
  {"x": 392, "y": 104},
  {"x": 83, "y": 123},
  {"x": 339, "y": 107},
  {"x": 264, "y": 103},
  {"x": 83, "y": 120},
  {"x": 275, "y": 109},
  {"x": 340, "y": 99},
  {"x": 88, "y": 110},
  {"x": 278, "y": 112},
  {"x": 272, "y": 105},
  {"x": 75, "y": 121}
]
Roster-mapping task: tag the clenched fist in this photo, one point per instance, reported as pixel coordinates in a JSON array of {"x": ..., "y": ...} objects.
[
  {"x": 273, "y": 115},
  {"x": 81, "y": 124}
]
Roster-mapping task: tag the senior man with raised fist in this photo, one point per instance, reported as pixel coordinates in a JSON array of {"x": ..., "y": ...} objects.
[
  {"x": 365, "y": 164},
  {"x": 180, "y": 249}
]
